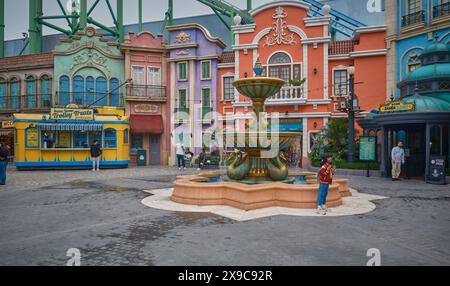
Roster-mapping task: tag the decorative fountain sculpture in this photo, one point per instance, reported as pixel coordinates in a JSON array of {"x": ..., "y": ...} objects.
[
  {"x": 250, "y": 166},
  {"x": 257, "y": 178}
]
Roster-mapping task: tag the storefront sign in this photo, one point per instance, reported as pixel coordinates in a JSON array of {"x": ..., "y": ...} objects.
[
  {"x": 7, "y": 124},
  {"x": 146, "y": 108},
  {"x": 437, "y": 170},
  {"x": 367, "y": 148},
  {"x": 396, "y": 106},
  {"x": 71, "y": 114}
]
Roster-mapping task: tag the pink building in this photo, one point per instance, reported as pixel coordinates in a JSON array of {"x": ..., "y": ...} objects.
[{"x": 146, "y": 97}]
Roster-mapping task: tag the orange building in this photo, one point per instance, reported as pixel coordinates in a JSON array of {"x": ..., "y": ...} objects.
[{"x": 293, "y": 46}]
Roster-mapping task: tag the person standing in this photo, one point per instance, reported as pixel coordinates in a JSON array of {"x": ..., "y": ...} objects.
[
  {"x": 398, "y": 158},
  {"x": 96, "y": 152},
  {"x": 201, "y": 159},
  {"x": 179, "y": 151},
  {"x": 326, "y": 174},
  {"x": 4, "y": 153}
]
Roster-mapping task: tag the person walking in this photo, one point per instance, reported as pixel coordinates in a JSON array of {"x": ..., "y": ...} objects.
[
  {"x": 4, "y": 153},
  {"x": 326, "y": 174},
  {"x": 96, "y": 152},
  {"x": 398, "y": 158},
  {"x": 179, "y": 151}
]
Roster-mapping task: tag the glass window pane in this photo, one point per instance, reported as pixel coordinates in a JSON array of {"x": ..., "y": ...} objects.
[
  {"x": 110, "y": 138},
  {"x": 78, "y": 90},
  {"x": 80, "y": 139},
  {"x": 114, "y": 88},
  {"x": 64, "y": 89},
  {"x": 100, "y": 91}
]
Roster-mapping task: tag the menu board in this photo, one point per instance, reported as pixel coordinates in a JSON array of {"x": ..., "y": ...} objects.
[
  {"x": 437, "y": 170},
  {"x": 64, "y": 139},
  {"x": 32, "y": 138},
  {"x": 367, "y": 148}
]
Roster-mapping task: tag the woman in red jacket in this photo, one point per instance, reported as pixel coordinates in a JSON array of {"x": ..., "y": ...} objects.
[{"x": 325, "y": 179}]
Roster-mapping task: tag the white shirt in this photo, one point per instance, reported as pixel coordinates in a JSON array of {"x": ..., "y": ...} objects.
[
  {"x": 179, "y": 149},
  {"x": 398, "y": 155}
]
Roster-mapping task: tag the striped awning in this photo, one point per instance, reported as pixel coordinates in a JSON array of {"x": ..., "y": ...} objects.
[{"x": 70, "y": 126}]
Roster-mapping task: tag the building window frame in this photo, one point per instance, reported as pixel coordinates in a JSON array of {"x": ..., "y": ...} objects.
[
  {"x": 335, "y": 89},
  {"x": 224, "y": 87},
  {"x": 186, "y": 95},
  {"x": 206, "y": 108},
  {"x": 180, "y": 76},
  {"x": 110, "y": 141},
  {"x": 209, "y": 65}
]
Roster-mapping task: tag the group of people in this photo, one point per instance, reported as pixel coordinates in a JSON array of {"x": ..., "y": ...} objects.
[{"x": 181, "y": 152}]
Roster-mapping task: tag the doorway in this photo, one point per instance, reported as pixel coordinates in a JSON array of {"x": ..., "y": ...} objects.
[
  {"x": 413, "y": 138},
  {"x": 155, "y": 150}
]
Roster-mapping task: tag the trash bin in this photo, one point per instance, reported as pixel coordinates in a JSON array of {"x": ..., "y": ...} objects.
[{"x": 142, "y": 157}]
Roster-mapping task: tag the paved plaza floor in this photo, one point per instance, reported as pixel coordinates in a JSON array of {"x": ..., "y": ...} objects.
[{"x": 43, "y": 214}]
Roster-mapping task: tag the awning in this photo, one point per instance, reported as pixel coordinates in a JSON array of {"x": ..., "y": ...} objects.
[
  {"x": 289, "y": 127},
  {"x": 70, "y": 126},
  {"x": 146, "y": 124}
]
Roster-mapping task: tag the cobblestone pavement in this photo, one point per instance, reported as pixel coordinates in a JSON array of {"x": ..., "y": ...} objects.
[{"x": 45, "y": 213}]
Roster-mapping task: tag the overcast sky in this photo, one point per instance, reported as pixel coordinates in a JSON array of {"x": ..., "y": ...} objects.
[{"x": 16, "y": 16}]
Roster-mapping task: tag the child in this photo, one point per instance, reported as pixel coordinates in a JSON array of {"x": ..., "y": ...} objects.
[{"x": 325, "y": 179}]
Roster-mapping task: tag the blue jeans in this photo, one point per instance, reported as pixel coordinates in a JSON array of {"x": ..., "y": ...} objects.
[
  {"x": 3, "y": 165},
  {"x": 180, "y": 161},
  {"x": 322, "y": 194}
]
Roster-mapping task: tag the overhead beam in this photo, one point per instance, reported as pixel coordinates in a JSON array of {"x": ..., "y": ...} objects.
[
  {"x": 119, "y": 25},
  {"x": 2, "y": 28},
  {"x": 140, "y": 15},
  {"x": 34, "y": 27},
  {"x": 83, "y": 14},
  {"x": 63, "y": 11}
]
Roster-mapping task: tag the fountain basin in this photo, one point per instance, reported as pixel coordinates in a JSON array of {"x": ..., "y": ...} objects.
[{"x": 195, "y": 190}]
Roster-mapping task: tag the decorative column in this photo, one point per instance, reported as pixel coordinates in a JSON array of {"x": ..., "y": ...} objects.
[{"x": 428, "y": 151}]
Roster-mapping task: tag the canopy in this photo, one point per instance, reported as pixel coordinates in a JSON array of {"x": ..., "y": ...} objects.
[{"x": 70, "y": 126}]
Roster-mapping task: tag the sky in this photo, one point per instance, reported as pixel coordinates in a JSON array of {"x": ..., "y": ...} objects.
[{"x": 16, "y": 15}]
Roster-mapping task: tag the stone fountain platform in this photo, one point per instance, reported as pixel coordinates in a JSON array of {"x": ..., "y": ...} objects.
[{"x": 194, "y": 190}]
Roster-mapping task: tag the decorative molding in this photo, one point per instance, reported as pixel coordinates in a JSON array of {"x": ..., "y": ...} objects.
[
  {"x": 201, "y": 28},
  {"x": 183, "y": 38},
  {"x": 182, "y": 52},
  {"x": 226, "y": 65},
  {"x": 279, "y": 28},
  {"x": 89, "y": 58},
  {"x": 317, "y": 21},
  {"x": 240, "y": 29},
  {"x": 317, "y": 40},
  {"x": 183, "y": 46},
  {"x": 368, "y": 53},
  {"x": 339, "y": 57},
  {"x": 299, "y": 4}
]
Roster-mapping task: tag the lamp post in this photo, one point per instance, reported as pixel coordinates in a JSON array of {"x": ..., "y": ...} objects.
[{"x": 351, "y": 115}]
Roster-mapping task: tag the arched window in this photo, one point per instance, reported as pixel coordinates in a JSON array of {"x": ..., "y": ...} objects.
[
  {"x": 110, "y": 138},
  {"x": 279, "y": 58},
  {"x": 78, "y": 90},
  {"x": 64, "y": 90},
  {"x": 100, "y": 91},
  {"x": 280, "y": 66},
  {"x": 114, "y": 89},
  {"x": 31, "y": 92},
  {"x": 14, "y": 87},
  {"x": 90, "y": 90},
  {"x": 45, "y": 91},
  {"x": 3, "y": 90}
]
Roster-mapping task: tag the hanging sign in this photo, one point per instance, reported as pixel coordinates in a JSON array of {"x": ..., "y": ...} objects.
[
  {"x": 32, "y": 137},
  {"x": 367, "y": 148},
  {"x": 396, "y": 106},
  {"x": 7, "y": 124},
  {"x": 146, "y": 108},
  {"x": 71, "y": 114}
]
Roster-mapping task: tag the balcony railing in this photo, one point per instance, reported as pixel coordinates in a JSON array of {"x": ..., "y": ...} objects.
[
  {"x": 441, "y": 10},
  {"x": 288, "y": 94},
  {"x": 156, "y": 92},
  {"x": 88, "y": 99},
  {"x": 25, "y": 102},
  {"x": 413, "y": 18}
]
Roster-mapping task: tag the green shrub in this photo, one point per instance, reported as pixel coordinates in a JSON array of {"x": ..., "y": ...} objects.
[{"x": 351, "y": 166}]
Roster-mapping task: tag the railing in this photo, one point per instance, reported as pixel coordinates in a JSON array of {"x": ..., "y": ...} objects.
[
  {"x": 289, "y": 93},
  {"x": 88, "y": 99},
  {"x": 25, "y": 102},
  {"x": 441, "y": 10},
  {"x": 147, "y": 91},
  {"x": 413, "y": 18}
]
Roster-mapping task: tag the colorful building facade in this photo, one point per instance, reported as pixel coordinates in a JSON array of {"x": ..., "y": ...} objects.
[
  {"x": 194, "y": 56},
  {"x": 294, "y": 46},
  {"x": 146, "y": 98},
  {"x": 88, "y": 71}
]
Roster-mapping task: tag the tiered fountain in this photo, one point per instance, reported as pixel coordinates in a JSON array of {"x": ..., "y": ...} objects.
[{"x": 257, "y": 177}]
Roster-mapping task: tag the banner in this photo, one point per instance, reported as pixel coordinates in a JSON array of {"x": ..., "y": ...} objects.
[
  {"x": 396, "y": 106},
  {"x": 71, "y": 114}
]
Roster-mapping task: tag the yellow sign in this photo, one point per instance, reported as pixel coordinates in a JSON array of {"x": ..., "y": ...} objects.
[
  {"x": 64, "y": 139},
  {"x": 71, "y": 114},
  {"x": 7, "y": 124},
  {"x": 32, "y": 137},
  {"x": 396, "y": 106}
]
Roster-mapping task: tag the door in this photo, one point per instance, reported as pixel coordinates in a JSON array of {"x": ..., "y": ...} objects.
[
  {"x": 154, "y": 81},
  {"x": 155, "y": 150}
]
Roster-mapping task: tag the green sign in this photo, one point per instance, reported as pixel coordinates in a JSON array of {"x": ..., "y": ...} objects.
[{"x": 367, "y": 148}]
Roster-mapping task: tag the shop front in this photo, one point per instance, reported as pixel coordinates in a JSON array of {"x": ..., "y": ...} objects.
[
  {"x": 7, "y": 135},
  {"x": 61, "y": 139},
  {"x": 147, "y": 133}
]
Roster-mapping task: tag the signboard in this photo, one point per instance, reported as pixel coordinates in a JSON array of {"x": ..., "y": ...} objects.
[
  {"x": 64, "y": 139},
  {"x": 396, "y": 106},
  {"x": 71, "y": 114},
  {"x": 32, "y": 138},
  {"x": 368, "y": 148},
  {"x": 146, "y": 108},
  {"x": 7, "y": 124},
  {"x": 436, "y": 173}
]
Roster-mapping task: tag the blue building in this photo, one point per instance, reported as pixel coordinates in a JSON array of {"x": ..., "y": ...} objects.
[{"x": 413, "y": 25}]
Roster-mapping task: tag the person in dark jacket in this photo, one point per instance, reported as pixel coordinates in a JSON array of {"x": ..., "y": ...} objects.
[
  {"x": 4, "y": 153},
  {"x": 96, "y": 152}
]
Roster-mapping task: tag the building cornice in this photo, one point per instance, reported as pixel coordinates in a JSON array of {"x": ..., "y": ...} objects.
[
  {"x": 317, "y": 40},
  {"x": 368, "y": 53},
  {"x": 269, "y": 5},
  {"x": 182, "y": 46},
  {"x": 244, "y": 47},
  {"x": 317, "y": 21},
  {"x": 227, "y": 65},
  {"x": 182, "y": 59},
  {"x": 201, "y": 28},
  {"x": 240, "y": 29},
  {"x": 339, "y": 57}
]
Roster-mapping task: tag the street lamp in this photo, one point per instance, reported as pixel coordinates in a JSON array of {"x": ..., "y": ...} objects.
[{"x": 352, "y": 106}]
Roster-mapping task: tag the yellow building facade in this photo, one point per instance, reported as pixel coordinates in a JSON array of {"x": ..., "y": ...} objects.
[{"x": 62, "y": 138}]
